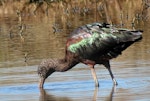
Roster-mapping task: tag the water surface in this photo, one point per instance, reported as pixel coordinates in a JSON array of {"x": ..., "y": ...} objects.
[{"x": 24, "y": 43}]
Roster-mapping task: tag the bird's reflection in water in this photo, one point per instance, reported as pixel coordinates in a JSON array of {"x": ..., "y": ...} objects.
[
  {"x": 44, "y": 96},
  {"x": 109, "y": 98}
]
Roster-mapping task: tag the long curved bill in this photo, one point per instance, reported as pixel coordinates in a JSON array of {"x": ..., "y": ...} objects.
[{"x": 41, "y": 82}]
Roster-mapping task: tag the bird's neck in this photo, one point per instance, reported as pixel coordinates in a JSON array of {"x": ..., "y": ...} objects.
[{"x": 65, "y": 64}]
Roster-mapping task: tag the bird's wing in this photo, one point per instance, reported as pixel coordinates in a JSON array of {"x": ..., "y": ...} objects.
[
  {"x": 83, "y": 32},
  {"x": 98, "y": 39}
]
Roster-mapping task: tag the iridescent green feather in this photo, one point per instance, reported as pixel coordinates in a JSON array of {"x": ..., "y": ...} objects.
[
  {"x": 101, "y": 39},
  {"x": 97, "y": 40}
]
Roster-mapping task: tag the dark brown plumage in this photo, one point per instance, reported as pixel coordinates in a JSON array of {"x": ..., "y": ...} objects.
[{"x": 90, "y": 44}]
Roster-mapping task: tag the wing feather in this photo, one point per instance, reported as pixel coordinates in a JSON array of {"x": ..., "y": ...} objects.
[{"x": 97, "y": 39}]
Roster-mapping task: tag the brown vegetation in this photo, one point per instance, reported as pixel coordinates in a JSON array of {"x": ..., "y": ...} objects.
[{"x": 32, "y": 26}]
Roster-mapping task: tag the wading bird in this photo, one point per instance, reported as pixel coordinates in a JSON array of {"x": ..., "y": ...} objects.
[{"x": 90, "y": 44}]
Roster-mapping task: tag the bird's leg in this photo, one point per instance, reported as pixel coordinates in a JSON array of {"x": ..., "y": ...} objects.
[
  {"x": 94, "y": 75},
  {"x": 107, "y": 65},
  {"x": 91, "y": 64}
]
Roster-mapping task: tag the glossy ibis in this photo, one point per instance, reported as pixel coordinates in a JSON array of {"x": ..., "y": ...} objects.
[{"x": 90, "y": 44}]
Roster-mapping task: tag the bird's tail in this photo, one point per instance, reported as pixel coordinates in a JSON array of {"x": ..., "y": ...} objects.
[
  {"x": 137, "y": 34},
  {"x": 126, "y": 35}
]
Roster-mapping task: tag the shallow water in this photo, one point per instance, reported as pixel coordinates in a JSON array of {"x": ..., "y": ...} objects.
[
  {"x": 21, "y": 54},
  {"x": 20, "y": 84}
]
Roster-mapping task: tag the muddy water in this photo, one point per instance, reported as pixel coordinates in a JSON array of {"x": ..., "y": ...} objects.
[{"x": 24, "y": 43}]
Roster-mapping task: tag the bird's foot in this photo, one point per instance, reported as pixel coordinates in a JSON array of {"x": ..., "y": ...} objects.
[
  {"x": 115, "y": 82},
  {"x": 96, "y": 84}
]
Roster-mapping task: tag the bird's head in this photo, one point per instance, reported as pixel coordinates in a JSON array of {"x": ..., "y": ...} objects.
[{"x": 45, "y": 69}]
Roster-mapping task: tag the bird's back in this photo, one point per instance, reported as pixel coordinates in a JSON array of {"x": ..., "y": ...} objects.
[{"x": 100, "y": 39}]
